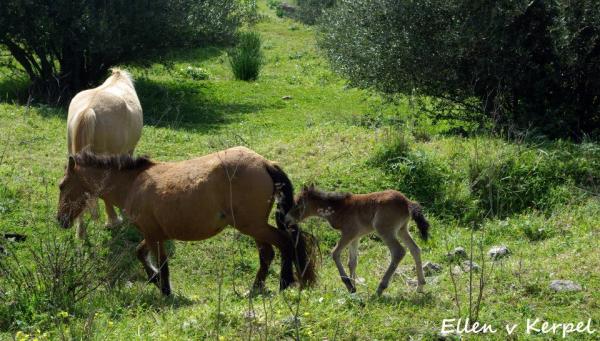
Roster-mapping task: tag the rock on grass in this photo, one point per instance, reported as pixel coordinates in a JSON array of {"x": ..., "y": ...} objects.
[
  {"x": 469, "y": 265},
  {"x": 561, "y": 285},
  {"x": 457, "y": 253},
  {"x": 498, "y": 252},
  {"x": 430, "y": 268}
]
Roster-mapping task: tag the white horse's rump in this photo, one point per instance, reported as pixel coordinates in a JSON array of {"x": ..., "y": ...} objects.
[{"x": 105, "y": 120}]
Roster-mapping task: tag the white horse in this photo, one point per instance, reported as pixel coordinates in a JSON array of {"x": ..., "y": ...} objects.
[{"x": 105, "y": 120}]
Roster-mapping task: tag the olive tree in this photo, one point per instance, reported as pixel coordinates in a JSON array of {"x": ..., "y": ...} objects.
[
  {"x": 65, "y": 46},
  {"x": 523, "y": 63}
]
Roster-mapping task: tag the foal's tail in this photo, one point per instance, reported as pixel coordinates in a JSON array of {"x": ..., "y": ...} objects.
[
  {"x": 305, "y": 244},
  {"x": 83, "y": 131},
  {"x": 422, "y": 224}
]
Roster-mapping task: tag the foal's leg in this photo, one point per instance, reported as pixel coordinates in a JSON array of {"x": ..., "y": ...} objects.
[
  {"x": 397, "y": 252},
  {"x": 266, "y": 255},
  {"x": 347, "y": 238},
  {"x": 353, "y": 258},
  {"x": 415, "y": 251}
]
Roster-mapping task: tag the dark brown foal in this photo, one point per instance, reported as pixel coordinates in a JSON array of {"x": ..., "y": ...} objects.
[{"x": 355, "y": 215}]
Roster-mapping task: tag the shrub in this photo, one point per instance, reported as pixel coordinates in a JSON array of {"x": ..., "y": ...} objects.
[
  {"x": 309, "y": 11},
  {"x": 426, "y": 179},
  {"x": 522, "y": 63},
  {"x": 246, "y": 58},
  {"x": 496, "y": 179},
  {"x": 66, "y": 46},
  {"x": 196, "y": 73},
  {"x": 59, "y": 275}
]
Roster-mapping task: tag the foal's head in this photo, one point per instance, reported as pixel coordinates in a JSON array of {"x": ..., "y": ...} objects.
[
  {"x": 313, "y": 202},
  {"x": 73, "y": 195}
]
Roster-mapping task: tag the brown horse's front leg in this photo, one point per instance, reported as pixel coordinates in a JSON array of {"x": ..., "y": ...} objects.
[
  {"x": 159, "y": 277},
  {"x": 142, "y": 254},
  {"x": 266, "y": 255},
  {"x": 163, "y": 267}
]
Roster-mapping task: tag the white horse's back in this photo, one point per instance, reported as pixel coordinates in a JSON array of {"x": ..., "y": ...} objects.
[{"x": 107, "y": 119}]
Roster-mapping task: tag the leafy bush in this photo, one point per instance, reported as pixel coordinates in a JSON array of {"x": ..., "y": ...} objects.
[
  {"x": 61, "y": 274},
  {"x": 522, "y": 63},
  {"x": 309, "y": 11},
  {"x": 491, "y": 178},
  {"x": 510, "y": 181},
  {"x": 196, "y": 73},
  {"x": 246, "y": 58},
  {"x": 66, "y": 46},
  {"x": 426, "y": 179}
]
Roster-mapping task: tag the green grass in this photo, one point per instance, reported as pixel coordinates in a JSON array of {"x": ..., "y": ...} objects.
[{"x": 342, "y": 139}]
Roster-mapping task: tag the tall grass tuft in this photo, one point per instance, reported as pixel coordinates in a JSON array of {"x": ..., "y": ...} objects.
[{"x": 246, "y": 58}]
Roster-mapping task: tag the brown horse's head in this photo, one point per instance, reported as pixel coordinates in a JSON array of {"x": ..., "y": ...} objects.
[{"x": 73, "y": 195}]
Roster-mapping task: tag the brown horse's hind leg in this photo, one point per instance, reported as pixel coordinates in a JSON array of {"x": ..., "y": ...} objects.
[
  {"x": 280, "y": 239},
  {"x": 266, "y": 255}
]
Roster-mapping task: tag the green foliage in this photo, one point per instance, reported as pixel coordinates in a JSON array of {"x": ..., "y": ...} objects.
[
  {"x": 492, "y": 179},
  {"x": 508, "y": 181},
  {"x": 196, "y": 73},
  {"x": 309, "y": 11},
  {"x": 427, "y": 179},
  {"x": 64, "y": 47},
  {"x": 522, "y": 63},
  {"x": 60, "y": 275},
  {"x": 246, "y": 58}
]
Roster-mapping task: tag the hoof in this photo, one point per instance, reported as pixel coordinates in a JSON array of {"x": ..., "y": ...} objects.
[
  {"x": 166, "y": 291},
  {"x": 380, "y": 290}
]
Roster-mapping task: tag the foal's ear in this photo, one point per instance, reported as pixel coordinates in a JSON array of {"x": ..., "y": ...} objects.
[{"x": 71, "y": 164}]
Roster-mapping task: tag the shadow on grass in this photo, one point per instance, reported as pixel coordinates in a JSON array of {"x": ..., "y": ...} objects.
[
  {"x": 188, "y": 105},
  {"x": 126, "y": 268},
  {"x": 14, "y": 90}
]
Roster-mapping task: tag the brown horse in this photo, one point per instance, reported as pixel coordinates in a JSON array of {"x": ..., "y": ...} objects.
[
  {"x": 105, "y": 120},
  {"x": 387, "y": 213},
  {"x": 193, "y": 200}
]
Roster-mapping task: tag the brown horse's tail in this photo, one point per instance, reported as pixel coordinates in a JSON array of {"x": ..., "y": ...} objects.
[
  {"x": 416, "y": 213},
  {"x": 305, "y": 244}
]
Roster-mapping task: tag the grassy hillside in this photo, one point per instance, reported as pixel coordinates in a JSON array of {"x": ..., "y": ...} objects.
[{"x": 534, "y": 196}]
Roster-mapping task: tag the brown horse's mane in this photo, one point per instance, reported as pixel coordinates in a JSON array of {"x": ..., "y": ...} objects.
[
  {"x": 328, "y": 196},
  {"x": 117, "y": 162}
]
